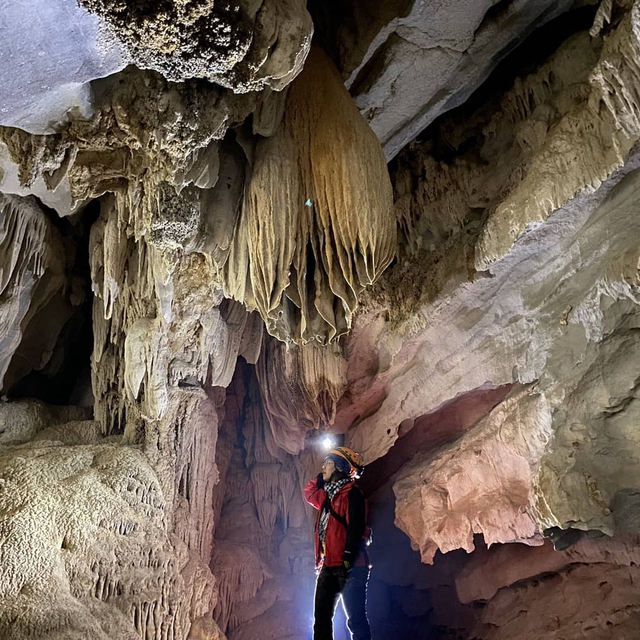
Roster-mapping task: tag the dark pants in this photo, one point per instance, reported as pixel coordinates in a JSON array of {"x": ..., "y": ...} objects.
[{"x": 354, "y": 599}]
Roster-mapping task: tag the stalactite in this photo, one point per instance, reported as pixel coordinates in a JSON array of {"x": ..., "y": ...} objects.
[
  {"x": 315, "y": 380},
  {"x": 301, "y": 255},
  {"x": 29, "y": 249}
]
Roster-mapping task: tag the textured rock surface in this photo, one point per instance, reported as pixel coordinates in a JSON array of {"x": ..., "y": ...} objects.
[
  {"x": 50, "y": 51},
  {"x": 263, "y": 554},
  {"x": 59, "y": 198},
  {"x": 407, "y": 62},
  {"x": 490, "y": 378},
  {"x": 87, "y": 546},
  {"x": 242, "y": 45},
  {"x": 311, "y": 248},
  {"x": 601, "y": 131},
  {"x": 582, "y": 259},
  {"x": 169, "y": 179},
  {"x": 490, "y": 570},
  {"x": 481, "y": 484},
  {"x": 32, "y": 275},
  {"x": 506, "y": 591},
  {"x": 158, "y": 150},
  {"x": 300, "y": 388},
  {"x": 534, "y": 610}
]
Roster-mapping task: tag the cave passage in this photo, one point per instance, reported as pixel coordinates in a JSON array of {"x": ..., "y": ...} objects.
[{"x": 229, "y": 230}]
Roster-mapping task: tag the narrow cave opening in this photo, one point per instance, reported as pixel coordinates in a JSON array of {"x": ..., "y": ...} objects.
[
  {"x": 62, "y": 372},
  {"x": 263, "y": 550}
]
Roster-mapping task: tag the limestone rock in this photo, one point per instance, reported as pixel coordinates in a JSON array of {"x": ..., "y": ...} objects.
[
  {"x": 205, "y": 629},
  {"x": 505, "y": 325},
  {"x": 241, "y": 573},
  {"x": 173, "y": 329},
  {"x": 143, "y": 126},
  {"x": 263, "y": 547},
  {"x": 22, "y": 421},
  {"x": 589, "y": 478},
  {"x": 490, "y": 570},
  {"x": 602, "y": 132},
  {"x": 86, "y": 551},
  {"x": 241, "y": 45},
  {"x": 407, "y": 62},
  {"x": 32, "y": 274},
  {"x": 51, "y": 51},
  {"x": 492, "y": 406},
  {"x": 481, "y": 484},
  {"x": 302, "y": 254},
  {"x": 59, "y": 198},
  {"x": 155, "y": 147},
  {"x": 598, "y": 601}
]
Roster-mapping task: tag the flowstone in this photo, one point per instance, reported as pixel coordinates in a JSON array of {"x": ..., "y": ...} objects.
[{"x": 86, "y": 546}]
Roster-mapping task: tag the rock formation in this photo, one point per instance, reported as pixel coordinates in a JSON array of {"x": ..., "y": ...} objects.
[
  {"x": 51, "y": 51},
  {"x": 419, "y": 233},
  {"x": 312, "y": 248},
  {"x": 241, "y": 45}
]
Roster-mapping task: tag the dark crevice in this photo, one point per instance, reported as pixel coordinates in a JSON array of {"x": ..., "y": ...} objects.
[{"x": 66, "y": 376}]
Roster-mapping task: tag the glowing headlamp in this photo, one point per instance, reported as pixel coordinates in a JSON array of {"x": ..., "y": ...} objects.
[{"x": 328, "y": 443}]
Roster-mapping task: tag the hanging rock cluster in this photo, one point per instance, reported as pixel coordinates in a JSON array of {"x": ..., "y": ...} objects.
[
  {"x": 303, "y": 253},
  {"x": 243, "y": 45}
]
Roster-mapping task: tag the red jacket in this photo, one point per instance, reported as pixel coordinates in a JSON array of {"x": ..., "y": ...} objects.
[{"x": 349, "y": 503}]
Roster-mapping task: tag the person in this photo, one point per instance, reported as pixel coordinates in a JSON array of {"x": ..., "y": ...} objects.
[{"x": 341, "y": 535}]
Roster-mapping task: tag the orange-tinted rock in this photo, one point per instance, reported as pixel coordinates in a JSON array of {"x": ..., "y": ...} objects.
[{"x": 483, "y": 483}]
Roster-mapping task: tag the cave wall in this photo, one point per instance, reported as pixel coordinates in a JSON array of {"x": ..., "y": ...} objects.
[
  {"x": 467, "y": 317},
  {"x": 533, "y": 181}
]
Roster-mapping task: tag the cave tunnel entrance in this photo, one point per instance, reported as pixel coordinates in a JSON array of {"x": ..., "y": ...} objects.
[{"x": 53, "y": 362}]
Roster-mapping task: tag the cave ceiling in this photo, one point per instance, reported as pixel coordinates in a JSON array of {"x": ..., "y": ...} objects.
[{"x": 228, "y": 227}]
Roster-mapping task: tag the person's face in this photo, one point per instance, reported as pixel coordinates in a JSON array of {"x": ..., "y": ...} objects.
[{"x": 328, "y": 468}]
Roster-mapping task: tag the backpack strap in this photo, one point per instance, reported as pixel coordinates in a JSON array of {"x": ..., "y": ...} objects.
[
  {"x": 342, "y": 520},
  {"x": 337, "y": 516}
]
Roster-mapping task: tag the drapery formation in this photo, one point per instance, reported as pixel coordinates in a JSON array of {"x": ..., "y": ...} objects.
[{"x": 317, "y": 223}]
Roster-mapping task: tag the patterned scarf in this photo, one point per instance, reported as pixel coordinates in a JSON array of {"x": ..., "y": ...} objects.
[{"x": 332, "y": 489}]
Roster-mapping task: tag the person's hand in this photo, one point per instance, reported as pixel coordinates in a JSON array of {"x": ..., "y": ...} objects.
[
  {"x": 343, "y": 574},
  {"x": 320, "y": 481},
  {"x": 344, "y": 570}
]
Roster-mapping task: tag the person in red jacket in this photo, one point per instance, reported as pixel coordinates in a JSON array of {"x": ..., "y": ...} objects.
[{"x": 340, "y": 542}]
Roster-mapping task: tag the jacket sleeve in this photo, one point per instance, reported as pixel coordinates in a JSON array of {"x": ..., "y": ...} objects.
[
  {"x": 356, "y": 524},
  {"x": 314, "y": 495}
]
